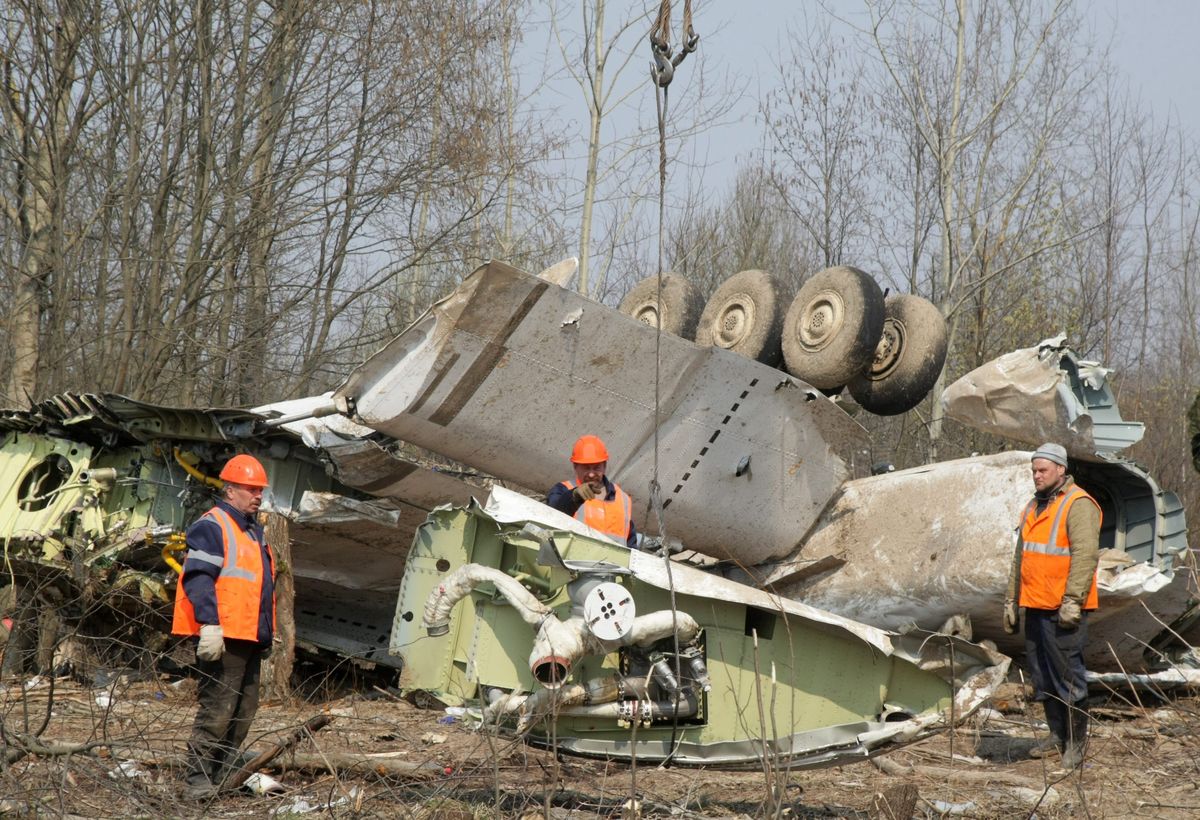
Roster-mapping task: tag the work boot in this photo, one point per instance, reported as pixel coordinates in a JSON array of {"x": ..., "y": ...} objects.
[
  {"x": 1056, "y": 720},
  {"x": 1077, "y": 736},
  {"x": 200, "y": 781}
]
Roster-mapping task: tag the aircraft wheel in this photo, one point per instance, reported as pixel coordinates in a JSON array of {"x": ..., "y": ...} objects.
[
  {"x": 908, "y": 358},
  {"x": 678, "y": 311},
  {"x": 745, "y": 315},
  {"x": 832, "y": 327}
]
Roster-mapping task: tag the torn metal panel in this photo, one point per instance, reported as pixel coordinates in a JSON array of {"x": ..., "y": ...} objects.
[
  {"x": 368, "y": 461},
  {"x": 1040, "y": 394},
  {"x": 360, "y": 545},
  {"x": 508, "y": 370},
  {"x": 99, "y": 488},
  {"x": 833, "y": 691},
  {"x": 352, "y": 623},
  {"x": 922, "y": 545},
  {"x": 109, "y": 418},
  {"x": 914, "y": 546}
]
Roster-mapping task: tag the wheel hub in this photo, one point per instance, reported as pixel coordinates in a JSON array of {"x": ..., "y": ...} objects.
[
  {"x": 733, "y": 323},
  {"x": 822, "y": 318},
  {"x": 647, "y": 315},
  {"x": 889, "y": 349}
]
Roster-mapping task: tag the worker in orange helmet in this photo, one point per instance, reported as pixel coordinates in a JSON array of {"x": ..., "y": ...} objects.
[
  {"x": 591, "y": 497},
  {"x": 226, "y": 599}
]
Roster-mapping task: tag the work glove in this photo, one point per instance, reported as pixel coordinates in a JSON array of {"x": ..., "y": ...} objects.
[
  {"x": 584, "y": 492},
  {"x": 1069, "y": 613},
  {"x": 1012, "y": 616},
  {"x": 212, "y": 643}
]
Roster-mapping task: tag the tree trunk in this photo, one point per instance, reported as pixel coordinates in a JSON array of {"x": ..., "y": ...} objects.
[
  {"x": 595, "y": 117},
  {"x": 278, "y": 676}
]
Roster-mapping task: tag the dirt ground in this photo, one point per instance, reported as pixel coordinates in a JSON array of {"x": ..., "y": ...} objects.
[{"x": 116, "y": 751}]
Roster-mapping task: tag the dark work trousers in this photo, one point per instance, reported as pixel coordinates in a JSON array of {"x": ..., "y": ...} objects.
[
  {"x": 1055, "y": 656},
  {"x": 228, "y": 696}
]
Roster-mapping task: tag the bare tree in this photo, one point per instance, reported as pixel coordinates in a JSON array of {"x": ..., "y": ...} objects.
[
  {"x": 603, "y": 91},
  {"x": 216, "y": 200},
  {"x": 619, "y": 169},
  {"x": 988, "y": 89},
  {"x": 48, "y": 102},
  {"x": 753, "y": 226},
  {"x": 822, "y": 143}
]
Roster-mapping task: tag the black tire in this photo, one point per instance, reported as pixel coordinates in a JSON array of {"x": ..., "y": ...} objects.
[
  {"x": 832, "y": 327},
  {"x": 745, "y": 315},
  {"x": 908, "y": 359},
  {"x": 680, "y": 308}
]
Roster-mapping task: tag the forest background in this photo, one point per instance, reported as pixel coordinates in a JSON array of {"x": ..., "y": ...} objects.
[{"x": 228, "y": 202}]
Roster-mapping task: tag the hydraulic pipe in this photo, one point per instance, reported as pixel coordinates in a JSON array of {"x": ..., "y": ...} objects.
[
  {"x": 176, "y": 542},
  {"x": 557, "y": 645},
  {"x": 191, "y": 470},
  {"x": 320, "y": 411}
]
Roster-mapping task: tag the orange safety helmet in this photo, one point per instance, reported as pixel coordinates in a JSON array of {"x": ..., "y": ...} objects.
[
  {"x": 589, "y": 449},
  {"x": 245, "y": 470}
]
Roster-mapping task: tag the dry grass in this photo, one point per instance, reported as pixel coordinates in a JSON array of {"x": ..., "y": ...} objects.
[{"x": 1143, "y": 762}]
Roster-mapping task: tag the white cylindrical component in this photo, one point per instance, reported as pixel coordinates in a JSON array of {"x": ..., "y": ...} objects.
[
  {"x": 596, "y": 691},
  {"x": 658, "y": 625},
  {"x": 458, "y": 584},
  {"x": 557, "y": 645},
  {"x": 634, "y": 709},
  {"x": 609, "y": 611}
]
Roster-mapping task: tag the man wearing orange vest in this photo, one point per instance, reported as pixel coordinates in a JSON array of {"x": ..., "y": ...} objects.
[
  {"x": 226, "y": 599},
  {"x": 591, "y": 497},
  {"x": 1053, "y": 577}
]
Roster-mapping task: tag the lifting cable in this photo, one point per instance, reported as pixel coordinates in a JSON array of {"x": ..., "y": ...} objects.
[{"x": 662, "y": 71}]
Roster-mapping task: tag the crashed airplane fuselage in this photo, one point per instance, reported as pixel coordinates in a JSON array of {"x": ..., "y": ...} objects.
[
  {"x": 768, "y": 474},
  {"x": 517, "y": 610},
  {"x": 507, "y": 371}
]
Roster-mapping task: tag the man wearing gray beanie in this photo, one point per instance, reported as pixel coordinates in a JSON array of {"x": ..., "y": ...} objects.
[{"x": 1053, "y": 577}]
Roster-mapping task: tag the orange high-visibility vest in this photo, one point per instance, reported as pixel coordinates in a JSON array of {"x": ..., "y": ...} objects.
[
  {"x": 239, "y": 584},
  {"x": 609, "y": 517},
  {"x": 1046, "y": 553}
]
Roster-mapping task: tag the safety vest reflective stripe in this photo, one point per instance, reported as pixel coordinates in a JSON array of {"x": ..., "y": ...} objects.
[
  {"x": 229, "y": 534},
  {"x": 205, "y": 557},
  {"x": 1045, "y": 549},
  {"x": 238, "y": 585},
  {"x": 1046, "y": 553}
]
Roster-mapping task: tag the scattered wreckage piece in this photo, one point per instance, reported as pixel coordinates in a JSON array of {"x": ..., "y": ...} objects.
[
  {"x": 515, "y": 609},
  {"x": 891, "y": 551},
  {"x": 350, "y": 544},
  {"x": 1044, "y": 393},
  {"x": 506, "y": 372},
  {"x": 1165, "y": 680},
  {"x": 98, "y": 490}
]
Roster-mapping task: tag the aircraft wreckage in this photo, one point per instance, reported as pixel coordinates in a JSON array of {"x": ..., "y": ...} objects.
[
  {"x": 703, "y": 670},
  {"x": 764, "y": 483},
  {"x": 768, "y": 474},
  {"x": 100, "y": 488}
]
